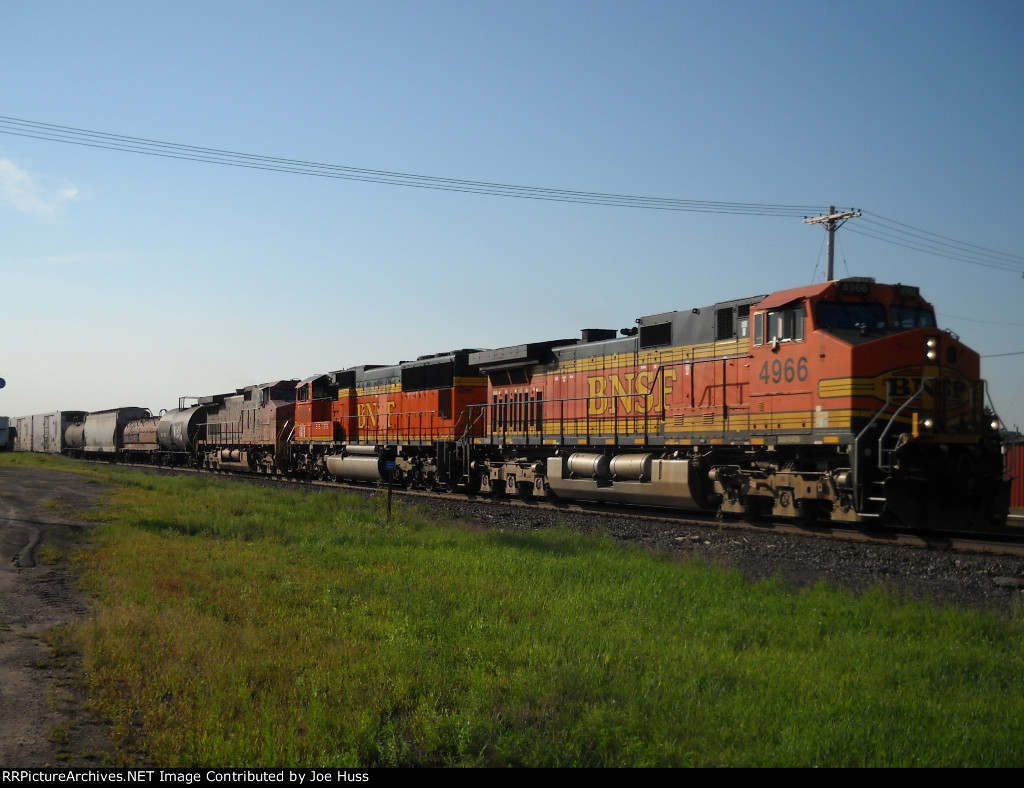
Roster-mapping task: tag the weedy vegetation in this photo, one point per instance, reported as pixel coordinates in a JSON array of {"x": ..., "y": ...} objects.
[{"x": 242, "y": 626}]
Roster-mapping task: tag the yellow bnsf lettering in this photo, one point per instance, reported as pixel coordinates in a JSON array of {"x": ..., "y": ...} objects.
[
  {"x": 370, "y": 416},
  {"x": 629, "y": 392},
  {"x": 954, "y": 391},
  {"x": 597, "y": 404},
  {"x": 367, "y": 414}
]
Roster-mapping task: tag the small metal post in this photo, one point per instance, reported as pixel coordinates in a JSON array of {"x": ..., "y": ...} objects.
[{"x": 391, "y": 477}]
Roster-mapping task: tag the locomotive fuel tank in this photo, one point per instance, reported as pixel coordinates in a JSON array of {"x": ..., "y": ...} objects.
[
  {"x": 626, "y": 478},
  {"x": 359, "y": 463}
]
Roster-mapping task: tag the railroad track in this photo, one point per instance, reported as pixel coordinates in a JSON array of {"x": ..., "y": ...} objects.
[{"x": 1009, "y": 542}]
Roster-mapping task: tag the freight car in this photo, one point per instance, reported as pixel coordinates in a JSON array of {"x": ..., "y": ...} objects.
[
  {"x": 102, "y": 433},
  {"x": 139, "y": 443},
  {"x": 44, "y": 432},
  {"x": 177, "y": 432},
  {"x": 1015, "y": 469}
]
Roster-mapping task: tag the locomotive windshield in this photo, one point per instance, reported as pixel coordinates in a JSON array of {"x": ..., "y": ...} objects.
[
  {"x": 912, "y": 317},
  {"x": 839, "y": 314},
  {"x": 872, "y": 316}
]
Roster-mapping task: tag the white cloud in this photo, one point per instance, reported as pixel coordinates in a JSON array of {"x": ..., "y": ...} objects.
[{"x": 24, "y": 192}]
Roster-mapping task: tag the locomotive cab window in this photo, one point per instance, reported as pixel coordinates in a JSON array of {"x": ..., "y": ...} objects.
[
  {"x": 782, "y": 325},
  {"x": 848, "y": 314},
  {"x": 911, "y": 317}
]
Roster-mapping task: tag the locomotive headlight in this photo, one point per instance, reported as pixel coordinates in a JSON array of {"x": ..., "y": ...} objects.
[
  {"x": 931, "y": 348},
  {"x": 927, "y": 423},
  {"x": 994, "y": 425}
]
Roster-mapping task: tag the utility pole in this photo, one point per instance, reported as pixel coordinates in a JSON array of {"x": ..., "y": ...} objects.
[{"x": 832, "y": 223}]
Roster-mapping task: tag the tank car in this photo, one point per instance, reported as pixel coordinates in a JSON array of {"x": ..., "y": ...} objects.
[
  {"x": 249, "y": 430},
  {"x": 840, "y": 400},
  {"x": 177, "y": 432}
]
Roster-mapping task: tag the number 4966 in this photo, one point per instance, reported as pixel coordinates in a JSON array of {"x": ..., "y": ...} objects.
[{"x": 789, "y": 370}]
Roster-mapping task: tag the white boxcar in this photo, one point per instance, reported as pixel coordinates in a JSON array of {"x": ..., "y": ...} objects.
[{"x": 44, "y": 432}]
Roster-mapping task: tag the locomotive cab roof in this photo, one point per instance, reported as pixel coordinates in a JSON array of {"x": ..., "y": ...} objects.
[{"x": 857, "y": 307}]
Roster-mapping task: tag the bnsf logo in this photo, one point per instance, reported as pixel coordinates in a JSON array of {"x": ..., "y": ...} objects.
[
  {"x": 629, "y": 392},
  {"x": 370, "y": 416},
  {"x": 954, "y": 391}
]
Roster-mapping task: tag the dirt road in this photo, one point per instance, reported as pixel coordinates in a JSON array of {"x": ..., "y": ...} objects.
[{"x": 42, "y": 722}]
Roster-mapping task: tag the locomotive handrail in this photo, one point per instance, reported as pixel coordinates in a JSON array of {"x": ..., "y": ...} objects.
[
  {"x": 650, "y": 393},
  {"x": 858, "y": 488},
  {"x": 452, "y": 433},
  {"x": 430, "y": 426},
  {"x": 618, "y": 419},
  {"x": 895, "y": 416}
]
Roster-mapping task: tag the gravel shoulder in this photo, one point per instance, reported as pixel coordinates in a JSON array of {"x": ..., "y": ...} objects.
[
  {"x": 44, "y": 722},
  {"x": 966, "y": 580}
]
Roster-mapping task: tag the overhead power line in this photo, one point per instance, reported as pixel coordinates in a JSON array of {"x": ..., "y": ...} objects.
[
  {"x": 871, "y": 225},
  {"x": 151, "y": 147},
  {"x": 984, "y": 322},
  {"x": 891, "y": 231}
]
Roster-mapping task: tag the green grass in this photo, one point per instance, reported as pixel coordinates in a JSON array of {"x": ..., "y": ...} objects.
[{"x": 244, "y": 626}]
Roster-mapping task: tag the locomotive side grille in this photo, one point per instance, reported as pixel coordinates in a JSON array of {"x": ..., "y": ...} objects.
[{"x": 724, "y": 328}]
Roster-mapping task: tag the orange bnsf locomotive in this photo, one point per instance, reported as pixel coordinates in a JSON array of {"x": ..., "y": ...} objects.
[
  {"x": 409, "y": 421},
  {"x": 840, "y": 401}
]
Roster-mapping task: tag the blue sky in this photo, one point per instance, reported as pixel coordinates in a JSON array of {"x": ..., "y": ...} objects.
[{"x": 133, "y": 280}]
